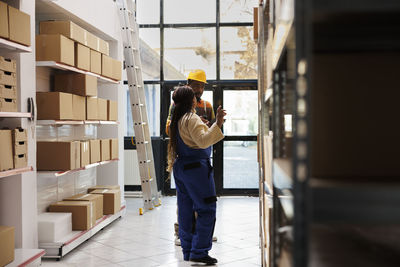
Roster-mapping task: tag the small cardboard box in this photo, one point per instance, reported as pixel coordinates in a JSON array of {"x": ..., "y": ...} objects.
[
  {"x": 54, "y": 106},
  {"x": 19, "y": 135},
  {"x": 93, "y": 41},
  {"x": 112, "y": 110},
  {"x": 102, "y": 109},
  {"x": 8, "y": 91},
  {"x": 4, "y": 33},
  {"x": 19, "y": 25},
  {"x": 96, "y": 187},
  {"x": 114, "y": 148},
  {"x": 20, "y": 161},
  {"x": 8, "y": 78},
  {"x": 53, "y": 226},
  {"x": 107, "y": 64},
  {"x": 56, "y": 48},
  {"x": 91, "y": 108},
  {"x": 117, "y": 70},
  {"x": 58, "y": 156},
  {"x": 111, "y": 200},
  {"x": 85, "y": 153},
  {"x": 95, "y": 62},
  {"x": 96, "y": 199},
  {"x": 105, "y": 149},
  {"x": 7, "y": 64},
  {"x": 79, "y": 107},
  {"x": 94, "y": 151},
  {"x": 104, "y": 47},
  {"x": 82, "y": 57},
  {"x": 6, "y": 151},
  {"x": 78, "y": 84},
  {"x": 7, "y": 245},
  {"x": 20, "y": 147},
  {"x": 83, "y": 214},
  {"x": 8, "y": 105},
  {"x": 66, "y": 28}
]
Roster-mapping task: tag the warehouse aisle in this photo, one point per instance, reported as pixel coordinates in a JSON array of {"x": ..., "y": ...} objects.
[{"x": 148, "y": 240}]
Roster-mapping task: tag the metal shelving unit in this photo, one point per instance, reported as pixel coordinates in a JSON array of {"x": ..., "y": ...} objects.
[
  {"x": 15, "y": 171},
  {"x": 10, "y": 46}
]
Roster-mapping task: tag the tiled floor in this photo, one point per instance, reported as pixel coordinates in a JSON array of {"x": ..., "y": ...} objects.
[{"x": 148, "y": 240}]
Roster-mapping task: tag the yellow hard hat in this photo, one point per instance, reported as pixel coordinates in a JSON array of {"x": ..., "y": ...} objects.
[{"x": 197, "y": 75}]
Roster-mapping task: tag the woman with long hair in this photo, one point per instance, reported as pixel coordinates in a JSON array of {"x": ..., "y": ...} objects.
[{"x": 189, "y": 152}]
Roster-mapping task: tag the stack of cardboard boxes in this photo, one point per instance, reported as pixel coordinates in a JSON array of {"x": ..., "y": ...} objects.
[
  {"x": 8, "y": 85},
  {"x": 15, "y": 25},
  {"x": 13, "y": 152}
]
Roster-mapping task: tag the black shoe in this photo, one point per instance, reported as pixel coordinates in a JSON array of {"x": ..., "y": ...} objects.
[{"x": 206, "y": 259}]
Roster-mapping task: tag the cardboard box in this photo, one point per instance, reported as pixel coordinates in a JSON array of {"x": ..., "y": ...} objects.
[
  {"x": 53, "y": 226},
  {"x": 102, "y": 109},
  {"x": 20, "y": 147},
  {"x": 117, "y": 70},
  {"x": 93, "y": 41},
  {"x": 4, "y": 33},
  {"x": 66, "y": 28},
  {"x": 91, "y": 108},
  {"x": 19, "y": 135},
  {"x": 7, "y": 245},
  {"x": 95, "y": 62},
  {"x": 111, "y": 200},
  {"x": 20, "y": 161},
  {"x": 104, "y": 47},
  {"x": 8, "y": 105},
  {"x": 54, "y": 106},
  {"x": 58, "y": 156},
  {"x": 78, "y": 84},
  {"x": 8, "y": 91},
  {"x": 85, "y": 153},
  {"x": 8, "y": 78},
  {"x": 94, "y": 151},
  {"x": 56, "y": 48},
  {"x": 114, "y": 148},
  {"x": 79, "y": 107},
  {"x": 82, "y": 57},
  {"x": 107, "y": 64},
  {"x": 83, "y": 214},
  {"x": 97, "y": 187},
  {"x": 6, "y": 151},
  {"x": 112, "y": 110},
  {"x": 96, "y": 199},
  {"x": 19, "y": 25},
  {"x": 7, "y": 64},
  {"x": 105, "y": 149}
]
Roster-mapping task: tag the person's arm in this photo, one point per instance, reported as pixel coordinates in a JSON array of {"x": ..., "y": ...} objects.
[
  {"x": 201, "y": 134},
  {"x": 171, "y": 110}
]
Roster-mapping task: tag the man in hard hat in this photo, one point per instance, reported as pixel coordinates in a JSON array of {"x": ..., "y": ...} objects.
[{"x": 197, "y": 81}]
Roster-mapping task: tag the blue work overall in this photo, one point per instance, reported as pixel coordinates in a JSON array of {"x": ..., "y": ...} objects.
[{"x": 195, "y": 187}]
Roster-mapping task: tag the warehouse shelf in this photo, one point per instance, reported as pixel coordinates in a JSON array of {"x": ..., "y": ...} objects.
[
  {"x": 27, "y": 257},
  {"x": 15, "y": 171},
  {"x": 268, "y": 94},
  {"x": 60, "y": 66},
  {"x": 15, "y": 115},
  {"x": 282, "y": 176},
  {"x": 60, "y": 122},
  {"x": 14, "y": 47},
  {"x": 59, "y": 249},
  {"x": 280, "y": 41}
]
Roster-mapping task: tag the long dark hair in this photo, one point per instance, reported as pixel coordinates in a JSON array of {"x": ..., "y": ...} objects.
[{"x": 183, "y": 100}]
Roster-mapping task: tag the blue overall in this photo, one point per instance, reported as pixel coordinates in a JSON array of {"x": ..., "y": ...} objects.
[{"x": 195, "y": 188}]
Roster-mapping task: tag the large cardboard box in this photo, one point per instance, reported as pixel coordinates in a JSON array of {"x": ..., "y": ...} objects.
[
  {"x": 85, "y": 153},
  {"x": 105, "y": 149},
  {"x": 97, "y": 187},
  {"x": 7, "y": 64},
  {"x": 8, "y": 105},
  {"x": 104, "y": 47},
  {"x": 54, "y": 106},
  {"x": 114, "y": 148},
  {"x": 107, "y": 65},
  {"x": 8, "y": 78},
  {"x": 79, "y": 107},
  {"x": 55, "y": 47},
  {"x": 91, "y": 108},
  {"x": 4, "y": 33},
  {"x": 82, "y": 57},
  {"x": 19, "y": 135},
  {"x": 94, "y": 151},
  {"x": 53, "y": 226},
  {"x": 112, "y": 110},
  {"x": 66, "y": 28},
  {"x": 83, "y": 213},
  {"x": 111, "y": 200},
  {"x": 92, "y": 41},
  {"x": 58, "y": 156},
  {"x": 7, "y": 245},
  {"x": 117, "y": 70},
  {"x": 19, "y": 25},
  {"x": 102, "y": 109},
  {"x": 74, "y": 83},
  {"x": 8, "y": 91},
  {"x": 95, "y": 62},
  {"x": 20, "y": 161},
  {"x": 6, "y": 151},
  {"x": 96, "y": 199}
]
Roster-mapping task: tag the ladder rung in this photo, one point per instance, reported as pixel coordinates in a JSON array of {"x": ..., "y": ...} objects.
[
  {"x": 144, "y": 142},
  {"x": 145, "y": 161},
  {"x": 140, "y": 123},
  {"x": 140, "y": 105}
]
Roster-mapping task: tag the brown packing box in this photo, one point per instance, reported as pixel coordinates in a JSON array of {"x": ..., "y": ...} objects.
[
  {"x": 91, "y": 108},
  {"x": 95, "y": 62},
  {"x": 85, "y": 153},
  {"x": 78, "y": 84},
  {"x": 6, "y": 151},
  {"x": 58, "y": 156},
  {"x": 114, "y": 148},
  {"x": 19, "y": 135},
  {"x": 111, "y": 200},
  {"x": 66, "y": 28},
  {"x": 79, "y": 107},
  {"x": 104, "y": 47},
  {"x": 8, "y": 91},
  {"x": 92, "y": 41},
  {"x": 7, "y": 244},
  {"x": 117, "y": 70},
  {"x": 20, "y": 147},
  {"x": 94, "y": 151},
  {"x": 20, "y": 161},
  {"x": 55, "y": 47},
  {"x": 83, "y": 213},
  {"x": 8, "y": 105},
  {"x": 7, "y": 64},
  {"x": 105, "y": 149},
  {"x": 19, "y": 25},
  {"x": 8, "y": 78},
  {"x": 102, "y": 109},
  {"x": 112, "y": 110},
  {"x": 106, "y": 66},
  {"x": 96, "y": 199},
  {"x": 96, "y": 187},
  {"x": 4, "y": 33},
  {"x": 82, "y": 57},
  {"x": 54, "y": 106}
]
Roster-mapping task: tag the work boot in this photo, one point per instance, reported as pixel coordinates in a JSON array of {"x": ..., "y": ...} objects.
[{"x": 206, "y": 259}]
